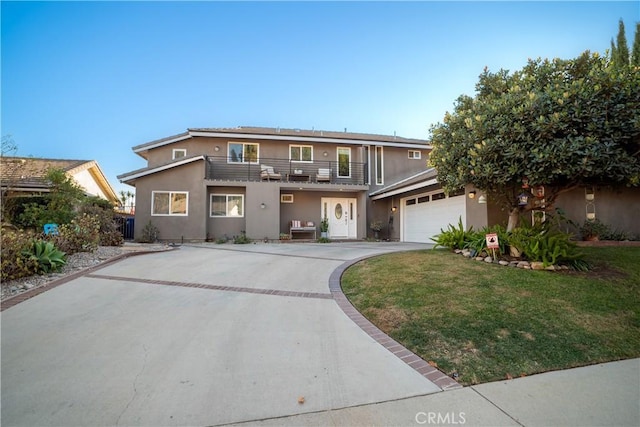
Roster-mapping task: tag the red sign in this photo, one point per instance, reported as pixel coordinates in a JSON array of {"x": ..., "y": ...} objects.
[{"x": 492, "y": 241}]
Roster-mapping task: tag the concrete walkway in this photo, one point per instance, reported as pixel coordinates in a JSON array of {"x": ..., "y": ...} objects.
[{"x": 220, "y": 334}]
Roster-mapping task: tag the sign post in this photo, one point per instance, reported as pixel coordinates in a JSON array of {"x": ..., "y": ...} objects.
[{"x": 492, "y": 243}]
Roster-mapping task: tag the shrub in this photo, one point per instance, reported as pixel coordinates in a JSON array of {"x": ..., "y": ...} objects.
[
  {"x": 47, "y": 257},
  {"x": 81, "y": 235},
  {"x": 594, "y": 230},
  {"x": 150, "y": 233},
  {"x": 241, "y": 239},
  {"x": 547, "y": 246},
  {"x": 454, "y": 237},
  {"x": 14, "y": 264},
  {"x": 103, "y": 211},
  {"x": 477, "y": 240}
]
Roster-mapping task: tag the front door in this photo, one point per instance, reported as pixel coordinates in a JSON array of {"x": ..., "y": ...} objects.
[{"x": 342, "y": 215}]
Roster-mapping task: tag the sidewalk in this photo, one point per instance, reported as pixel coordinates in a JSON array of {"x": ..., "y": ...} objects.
[{"x": 600, "y": 395}]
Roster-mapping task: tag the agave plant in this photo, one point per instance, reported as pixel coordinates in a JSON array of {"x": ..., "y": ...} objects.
[{"x": 48, "y": 257}]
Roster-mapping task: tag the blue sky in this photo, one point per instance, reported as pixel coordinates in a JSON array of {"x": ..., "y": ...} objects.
[{"x": 89, "y": 80}]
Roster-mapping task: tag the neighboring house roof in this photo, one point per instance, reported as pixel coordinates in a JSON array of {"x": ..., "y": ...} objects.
[
  {"x": 422, "y": 179},
  {"x": 29, "y": 174},
  {"x": 300, "y": 135},
  {"x": 130, "y": 177}
]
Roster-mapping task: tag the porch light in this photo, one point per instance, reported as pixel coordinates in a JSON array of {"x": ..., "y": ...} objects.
[
  {"x": 262, "y": 205},
  {"x": 325, "y": 154},
  {"x": 523, "y": 199},
  {"x": 393, "y": 209},
  {"x": 482, "y": 199},
  {"x": 217, "y": 148},
  {"x": 472, "y": 194}
]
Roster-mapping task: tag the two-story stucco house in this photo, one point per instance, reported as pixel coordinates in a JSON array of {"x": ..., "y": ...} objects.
[{"x": 210, "y": 183}]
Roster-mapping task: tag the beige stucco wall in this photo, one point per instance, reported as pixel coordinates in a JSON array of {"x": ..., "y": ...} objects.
[{"x": 86, "y": 181}]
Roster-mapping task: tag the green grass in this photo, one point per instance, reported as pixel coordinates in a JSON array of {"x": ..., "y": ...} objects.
[{"x": 487, "y": 322}]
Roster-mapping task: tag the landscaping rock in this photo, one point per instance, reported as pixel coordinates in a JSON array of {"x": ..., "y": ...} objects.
[
  {"x": 537, "y": 265},
  {"x": 527, "y": 267},
  {"x": 479, "y": 258},
  {"x": 550, "y": 268},
  {"x": 466, "y": 253},
  {"x": 502, "y": 262},
  {"x": 523, "y": 264},
  {"x": 488, "y": 259},
  {"x": 457, "y": 251}
]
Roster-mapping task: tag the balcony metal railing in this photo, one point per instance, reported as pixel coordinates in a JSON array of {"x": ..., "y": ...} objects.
[{"x": 219, "y": 168}]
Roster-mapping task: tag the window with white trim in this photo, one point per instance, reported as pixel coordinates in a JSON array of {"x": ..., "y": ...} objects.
[
  {"x": 379, "y": 163},
  {"x": 344, "y": 162},
  {"x": 415, "y": 154},
  {"x": 243, "y": 152},
  {"x": 169, "y": 203},
  {"x": 179, "y": 153},
  {"x": 301, "y": 153},
  {"x": 226, "y": 205}
]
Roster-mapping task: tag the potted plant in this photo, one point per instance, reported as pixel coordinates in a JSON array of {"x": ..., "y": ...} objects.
[
  {"x": 376, "y": 226},
  {"x": 324, "y": 228},
  {"x": 593, "y": 229}
]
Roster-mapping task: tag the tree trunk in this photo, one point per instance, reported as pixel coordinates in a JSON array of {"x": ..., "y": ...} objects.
[{"x": 514, "y": 217}]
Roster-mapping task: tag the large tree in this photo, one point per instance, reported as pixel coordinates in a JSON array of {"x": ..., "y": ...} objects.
[
  {"x": 635, "y": 53},
  {"x": 556, "y": 123},
  {"x": 620, "y": 54}
]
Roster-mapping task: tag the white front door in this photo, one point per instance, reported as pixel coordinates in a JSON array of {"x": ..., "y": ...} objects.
[{"x": 342, "y": 215}]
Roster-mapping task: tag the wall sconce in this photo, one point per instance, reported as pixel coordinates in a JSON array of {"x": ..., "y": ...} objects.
[
  {"x": 393, "y": 209},
  {"x": 482, "y": 199},
  {"x": 217, "y": 148},
  {"x": 472, "y": 194},
  {"x": 262, "y": 205},
  {"x": 325, "y": 154}
]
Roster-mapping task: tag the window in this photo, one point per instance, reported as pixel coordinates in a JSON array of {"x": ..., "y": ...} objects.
[
  {"x": 301, "y": 153},
  {"x": 243, "y": 152},
  {"x": 379, "y": 166},
  {"x": 423, "y": 199},
  {"x": 415, "y": 154},
  {"x": 411, "y": 202},
  {"x": 437, "y": 196},
  {"x": 169, "y": 203},
  {"x": 286, "y": 198},
  {"x": 179, "y": 152},
  {"x": 344, "y": 162},
  {"x": 227, "y": 205}
]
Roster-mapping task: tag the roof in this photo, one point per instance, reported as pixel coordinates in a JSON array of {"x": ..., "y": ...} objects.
[
  {"x": 420, "y": 180},
  {"x": 130, "y": 177},
  {"x": 322, "y": 136},
  {"x": 29, "y": 173}
]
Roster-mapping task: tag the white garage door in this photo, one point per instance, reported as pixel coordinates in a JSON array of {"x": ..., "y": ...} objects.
[{"x": 426, "y": 214}]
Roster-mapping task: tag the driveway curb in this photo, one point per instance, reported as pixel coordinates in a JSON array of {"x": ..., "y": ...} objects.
[
  {"x": 434, "y": 375},
  {"x": 15, "y": 300}
]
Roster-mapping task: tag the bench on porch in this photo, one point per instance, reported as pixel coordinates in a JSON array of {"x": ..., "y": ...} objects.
[{"x": 297, "y": 226}]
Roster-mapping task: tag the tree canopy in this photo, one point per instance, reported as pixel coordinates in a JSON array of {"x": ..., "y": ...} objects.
[{"x": 557, "y": 123}]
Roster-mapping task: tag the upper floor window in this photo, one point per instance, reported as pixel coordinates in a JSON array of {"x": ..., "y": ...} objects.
[
  {"x": 415, "y": 154},
  {"x": 227, "y": 205},
  {"x": 344, "y": 162},
  {"x": 379, "y": 162},
  {"x": 243, "y": 152},
  {"x": 301, "y": 153},
  {"x": 169, "y": 203},
  {"x": 179, "y": 152}
]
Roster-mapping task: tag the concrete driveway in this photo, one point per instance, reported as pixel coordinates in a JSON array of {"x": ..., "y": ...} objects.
[{"x": 138, "y": 343}]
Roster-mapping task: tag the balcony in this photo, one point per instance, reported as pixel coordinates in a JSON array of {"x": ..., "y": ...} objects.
[{"x": 353, "y": 173}]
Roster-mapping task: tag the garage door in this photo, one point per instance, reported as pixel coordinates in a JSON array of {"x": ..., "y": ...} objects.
[{"x": 426, "y": 214}]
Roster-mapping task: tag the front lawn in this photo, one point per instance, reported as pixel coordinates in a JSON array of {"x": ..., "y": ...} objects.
[{"x": 486, "y": 322}]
